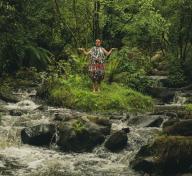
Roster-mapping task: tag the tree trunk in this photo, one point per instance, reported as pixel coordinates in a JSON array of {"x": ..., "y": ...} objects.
[
  {"x": 96, "y": 29},
  {"x": 57, "y": 10}
]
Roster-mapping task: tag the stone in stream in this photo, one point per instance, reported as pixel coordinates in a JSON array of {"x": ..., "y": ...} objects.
[
  {"x": 117, "y": 141},
  {"x": 81, "y": 135},
  {"x": 146, "y": 164},
  {"x": 170, "y": 122},
  {"x": 8, "y": 97},
  {"x": 173, "y": 110},
  {"x": 180, "y": 128},
  {"x": 167, "y": 155},
  {"x": 62, "y": 116},
  {"x": 15, "y": 112},
  {"x": 100, "y": 121},
  {"x": 39, "y": 135},
  {"x": 168, "y": 114},
  {"x": 146, "y": 121},
  {"x": 165, "y": 94}
]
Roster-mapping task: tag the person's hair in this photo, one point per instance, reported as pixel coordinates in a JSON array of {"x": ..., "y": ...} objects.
[{"x": 99, "y": 40}]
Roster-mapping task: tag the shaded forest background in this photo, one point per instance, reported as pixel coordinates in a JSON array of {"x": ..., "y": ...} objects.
[{"x": 45, "y": 35}]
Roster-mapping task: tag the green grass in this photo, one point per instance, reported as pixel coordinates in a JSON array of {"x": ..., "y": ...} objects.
[{"x": 76, "y": 93}]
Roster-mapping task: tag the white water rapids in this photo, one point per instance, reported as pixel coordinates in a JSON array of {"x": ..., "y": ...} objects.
[{"x": 17, "y": 159}]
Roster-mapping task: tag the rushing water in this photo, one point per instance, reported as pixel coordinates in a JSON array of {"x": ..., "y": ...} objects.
[{"x": 17, "y": 159}]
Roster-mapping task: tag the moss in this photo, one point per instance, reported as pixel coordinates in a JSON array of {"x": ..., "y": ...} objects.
[
  {"x": 170, "y": 155},
  {"x": 78, "y": 126},
  {"x": 95, "y": 119},
  {"x": 9, "y": 84},
  {"x": 76, "y": 93},
  {"x": 24, "y": 83},
  {"x": 173, "y": 153},
  {"x": 6, "y": 93},
  {"x": 188, "y": 107},
  {"x": 166, "y": 145}
]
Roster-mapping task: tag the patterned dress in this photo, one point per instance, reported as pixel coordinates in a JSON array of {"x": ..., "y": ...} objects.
[{"x": 96, "y": 66}]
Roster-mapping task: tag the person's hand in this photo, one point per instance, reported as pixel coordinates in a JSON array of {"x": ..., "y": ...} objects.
[{"x": 81, "y": 49}]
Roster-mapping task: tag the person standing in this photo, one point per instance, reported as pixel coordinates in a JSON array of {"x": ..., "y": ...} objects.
[{"x": 96, "y": 66}]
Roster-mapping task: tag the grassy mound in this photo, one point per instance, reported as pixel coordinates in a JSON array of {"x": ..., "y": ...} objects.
[{"x": 75, "y": 92}]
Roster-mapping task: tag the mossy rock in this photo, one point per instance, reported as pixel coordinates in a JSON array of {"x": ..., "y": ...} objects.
[
  {"x": 7, "y": 95},
  {"x": 24, "y": 83},
  {"x": 169, "y": 155},
  {"x": 100, "y": 120},
  {"x": 80, "y": 135},
  {"x": 180, "y": 128}
]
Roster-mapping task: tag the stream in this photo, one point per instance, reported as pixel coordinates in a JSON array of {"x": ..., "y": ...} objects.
[{"x": 17, "y": 159}]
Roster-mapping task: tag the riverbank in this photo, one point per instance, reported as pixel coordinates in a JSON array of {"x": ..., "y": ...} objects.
[{"x": 27, "y": 112}]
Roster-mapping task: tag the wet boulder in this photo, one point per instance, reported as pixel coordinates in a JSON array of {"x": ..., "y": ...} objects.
[
  {"x": 166, "y": 109},
  {"x": 62, "y": 116},
  {"x": 81, "y": 135},
  {"x": 117, "y": 141},
  {"x": 169, "y": 114},
  {"x": 15, "y": 112},
  {"x": 8, "y": 97},
  {"x": 146, "y": 164},
  {"x": 100, "y": 121},
  {"x": 180, "y": 128},
  {"x": 39, "y": 135},
  {"x": 168, "y": 155},
  {"x": 146, "y": 120},
  {"x": 170, "y": 122},
  {"x": 165, "y": 94}
]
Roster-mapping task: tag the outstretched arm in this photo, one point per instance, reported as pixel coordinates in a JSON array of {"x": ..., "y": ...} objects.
[
  {"x": 107, "y": 53},
  {"x": 84, "y": 51}
]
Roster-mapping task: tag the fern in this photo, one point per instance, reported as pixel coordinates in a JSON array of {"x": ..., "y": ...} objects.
[
  {"x": 111, "y": 69},
  {"x": 37, "y": 57}
]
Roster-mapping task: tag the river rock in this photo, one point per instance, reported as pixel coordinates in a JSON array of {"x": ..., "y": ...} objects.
[
  {"x": 146, "y": 121},
  {"x": 168, "y": 114},
  {"x": 117, "y": 141},
  {"x": 8, "y": 97},
  {"x": 181, "y": 128},
  {"x": 62, "y": 116},
  {"x": 166, "y": 155},
  {"x": 15, "y": 112},
  {"x": 146, "y": 164},
  {"x": 165, "y": 94},
  {"x": 169, "y": 122},
  {"x": 173, "y": 110},
  {"x": 100, "y": 121},
  {"x": 39, "y": 135},
  {"x": 81, "y": 135}
]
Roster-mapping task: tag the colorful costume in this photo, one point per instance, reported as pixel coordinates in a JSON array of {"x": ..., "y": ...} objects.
[{"x": 96, "y": 67}]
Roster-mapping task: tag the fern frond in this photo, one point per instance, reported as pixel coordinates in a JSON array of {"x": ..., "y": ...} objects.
[{"x": 37, "y": 57}]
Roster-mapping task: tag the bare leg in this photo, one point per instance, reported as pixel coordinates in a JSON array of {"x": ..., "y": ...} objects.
[
  {"x": 94, "y": 86},
  {"x": 99, "y": 86}
]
